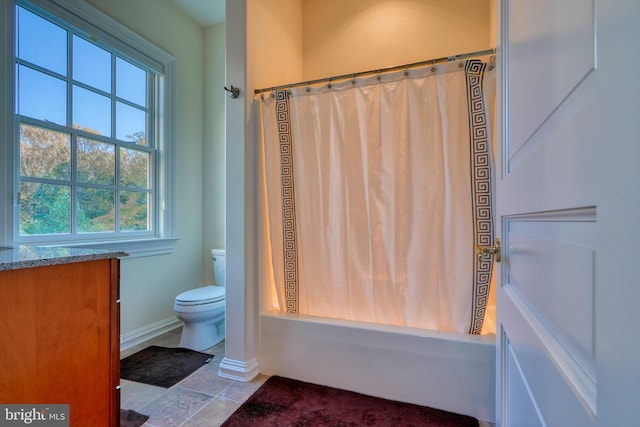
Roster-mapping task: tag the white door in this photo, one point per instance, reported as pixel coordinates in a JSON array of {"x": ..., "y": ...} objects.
[{"x": 568, "y": 199}]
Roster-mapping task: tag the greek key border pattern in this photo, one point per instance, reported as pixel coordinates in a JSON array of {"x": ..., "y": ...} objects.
[
  {"x": 481, "y": 189},
  {"x": 289, "y": 241}
]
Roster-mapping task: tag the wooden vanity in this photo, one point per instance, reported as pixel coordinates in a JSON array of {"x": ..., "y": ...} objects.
[{"x": 60, "y": 340}]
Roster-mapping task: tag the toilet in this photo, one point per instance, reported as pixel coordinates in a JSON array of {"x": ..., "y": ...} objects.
[{"x": 202, "y": 310}]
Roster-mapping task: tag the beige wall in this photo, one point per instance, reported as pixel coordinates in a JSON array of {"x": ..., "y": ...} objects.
[
  {"x": 149, "y": 285},
  {"x": 493, "y": 19},
  {"x": 295, "y": 40},
  {"x": 342, "y": 37},
  {"x": 274, "y": 42}
]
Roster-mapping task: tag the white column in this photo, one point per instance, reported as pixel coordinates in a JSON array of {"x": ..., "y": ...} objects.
[{"x": 240, "y": 362}]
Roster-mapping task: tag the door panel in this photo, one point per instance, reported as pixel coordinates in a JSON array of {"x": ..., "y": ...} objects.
[
  {"x": 551, "y": 269},
  {"x": 567, "y": 198},
  {"x": 551, "y": 49},
  {"x": 537, "y": 375},
  {"x": 519, "y": 412},
  {"x": 546, "y": 202}
]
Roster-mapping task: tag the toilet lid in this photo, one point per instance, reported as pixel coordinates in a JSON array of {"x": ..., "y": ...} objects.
[{"x": 204, "y": 295}]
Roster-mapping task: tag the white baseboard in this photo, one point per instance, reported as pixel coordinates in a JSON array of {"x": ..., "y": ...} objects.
[
  {"x": 238, "y": 370},
  {"x": 145, "y": 333}
]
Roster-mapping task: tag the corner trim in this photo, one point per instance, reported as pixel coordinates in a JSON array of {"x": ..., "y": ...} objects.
[{"x": 238, "y": 370}]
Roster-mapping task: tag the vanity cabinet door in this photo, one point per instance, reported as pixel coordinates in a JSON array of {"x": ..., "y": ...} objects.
[{"x": 60, "y": 339}]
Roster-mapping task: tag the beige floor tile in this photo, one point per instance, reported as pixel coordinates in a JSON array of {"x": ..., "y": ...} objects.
[
  {"x": 214, "y": 414},
  {"x": 135, "y": 395},
  {"x": 175, "y": 407},
  {"x": 206, "y": 380},
  {"x": 239, "y": 391}
]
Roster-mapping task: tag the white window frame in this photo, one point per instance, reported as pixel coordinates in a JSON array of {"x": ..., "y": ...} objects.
[{"x": 86, "y": 17}]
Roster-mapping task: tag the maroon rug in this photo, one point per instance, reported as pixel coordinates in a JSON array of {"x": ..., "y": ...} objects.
[{"x": 286, "y": 402}]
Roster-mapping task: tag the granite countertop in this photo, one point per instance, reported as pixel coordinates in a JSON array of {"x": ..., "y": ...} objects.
[{"x": 22, "y": 256}]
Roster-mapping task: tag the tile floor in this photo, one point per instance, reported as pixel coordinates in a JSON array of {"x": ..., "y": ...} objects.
[{"x": 202, "y": 399}]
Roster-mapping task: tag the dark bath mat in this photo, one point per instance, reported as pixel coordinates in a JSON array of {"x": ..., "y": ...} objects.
[
  {"x": 286, "y": 402},
  {"x": 131, "y": 418},
  {"x": 161, "y": 366}
]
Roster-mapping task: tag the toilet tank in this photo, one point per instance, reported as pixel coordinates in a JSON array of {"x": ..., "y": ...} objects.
[{"x": 219, "y": 267}]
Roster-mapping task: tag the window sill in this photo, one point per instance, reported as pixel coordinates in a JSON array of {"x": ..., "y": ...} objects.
[{"x": 137, "y": 248}]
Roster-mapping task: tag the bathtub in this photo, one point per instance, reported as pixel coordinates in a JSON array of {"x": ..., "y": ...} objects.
[{"x": 454, "y": 372}]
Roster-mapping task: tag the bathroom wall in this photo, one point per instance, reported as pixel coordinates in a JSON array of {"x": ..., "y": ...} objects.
[
  {"x": 149, "y": 285},
  {"x": 344, "y": 37},
  {"x": 493, "y": 19},
  {"x": 213, "y": 196},
  {"x": 274, "y": 42}
]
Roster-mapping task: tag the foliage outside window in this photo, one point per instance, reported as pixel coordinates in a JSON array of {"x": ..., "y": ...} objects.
[{"x": 86, "y": 131}]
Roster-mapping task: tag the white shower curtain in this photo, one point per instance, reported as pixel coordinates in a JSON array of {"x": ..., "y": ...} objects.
[{"x": 377, "y": 189}]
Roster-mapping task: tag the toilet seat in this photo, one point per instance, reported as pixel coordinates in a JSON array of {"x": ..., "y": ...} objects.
[{"x": 200, "y": 296}]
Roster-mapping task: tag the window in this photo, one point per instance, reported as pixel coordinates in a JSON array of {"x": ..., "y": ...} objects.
[{"x": 91, "y": 138}]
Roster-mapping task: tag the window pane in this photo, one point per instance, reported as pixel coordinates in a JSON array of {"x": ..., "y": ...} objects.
[
  {"x": 134, "y": 168},
  {"x": 96, "y": 210},
  {"x": 44, "y": 208},
  {"x": 41, "y": 42},
  {"x": 96, "y": 162},
  {"x": 44, "y": 153},
  {"x": 91, "y": 111},
  {"x": 134, "y": 211},
  {"x": 130, "y": 124},
  {"x": 84, "y": 146},
  {"x": 131, "y": 82},
  {"x": 41, "y": 96},
  {"x": 91, "y": 64}
]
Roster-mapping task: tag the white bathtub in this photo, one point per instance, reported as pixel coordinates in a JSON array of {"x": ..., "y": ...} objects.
[{"x": 454, "y": 372}]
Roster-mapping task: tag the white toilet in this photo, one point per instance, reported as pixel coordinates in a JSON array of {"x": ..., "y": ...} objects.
[{"x": 202, "y": 310}]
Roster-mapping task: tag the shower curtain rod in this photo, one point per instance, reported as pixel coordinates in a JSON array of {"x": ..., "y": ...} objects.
[{"x": 380, "y": 70}]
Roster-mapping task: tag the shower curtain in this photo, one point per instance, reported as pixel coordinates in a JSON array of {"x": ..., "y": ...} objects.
[{"x": 376, "y": 191}]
